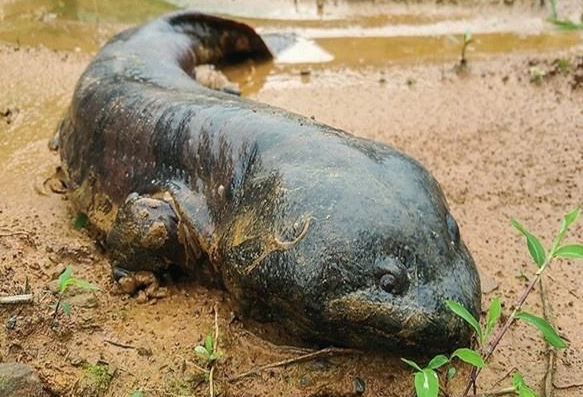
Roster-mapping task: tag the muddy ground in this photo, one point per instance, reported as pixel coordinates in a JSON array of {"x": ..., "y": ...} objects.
[{"x": 500, "y": 144}]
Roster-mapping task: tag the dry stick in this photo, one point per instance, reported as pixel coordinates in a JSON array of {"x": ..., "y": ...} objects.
[
  {"x": 503, "y": 392},
  {"x": 16, "y": 299},
  {"x": 310, "y": 356},
  {"x": 494, "y": 344},
  {"x": 571, "y": 386},
  {"x": 118, "y": 344},
  {"x": 215, "y": 344},
  {"x": 551, "y": 351}
]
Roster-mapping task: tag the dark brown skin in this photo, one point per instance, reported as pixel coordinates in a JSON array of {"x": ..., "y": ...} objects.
[{"x": 341, "y": 240}]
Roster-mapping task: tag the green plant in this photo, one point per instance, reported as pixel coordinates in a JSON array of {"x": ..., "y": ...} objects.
[
  {"x": 66, "y": 281},
  {"x": 537, "y": 75},
  {"x": 98, "y": 376},
  {"x": 136, "y": 393},
  {"x": 207, "y": 351},
  {"x": 563, "y": 24},
  {"x": 208, "y": 354},
  {"x": 465, "y": 41},
  {"x": 427, "y": 379}
]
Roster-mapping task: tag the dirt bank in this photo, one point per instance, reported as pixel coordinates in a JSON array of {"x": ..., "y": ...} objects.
[{"x": 500, "y": 146}]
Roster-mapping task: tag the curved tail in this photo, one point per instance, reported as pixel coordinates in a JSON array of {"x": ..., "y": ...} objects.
[{"x": 151, "y": 52}]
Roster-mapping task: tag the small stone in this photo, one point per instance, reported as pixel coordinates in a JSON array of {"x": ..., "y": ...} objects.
[
  {"x": 53, "y": 286},
  {"x": 144, "y": 351},
  {"x": 144, "y": 278},
  {"x": 57, "y": 271},
  {"x": 86, "y": 300},
  {"x": 128, "y": 285},
  {"x": 159, "y": 293},
  {"x": 141, "y": 297},
  {"x": 359, "y": 386},
  {"x": 488, "y": 283},
  {"x": 19, "y": 380}
]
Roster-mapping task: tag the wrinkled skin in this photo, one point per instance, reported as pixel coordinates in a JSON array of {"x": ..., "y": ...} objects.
[{"x": 339, "y": 239}]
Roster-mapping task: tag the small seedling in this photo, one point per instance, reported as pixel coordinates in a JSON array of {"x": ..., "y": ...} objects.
[
  {"x": 136, "y": 393},
  {"x": 427, "y": 379},
  {"x": 65, "y": 282},
  {"x": 463, "y": 43},
  {"x": 537, "y": 75},
  {"x": 206, "y": 352}
]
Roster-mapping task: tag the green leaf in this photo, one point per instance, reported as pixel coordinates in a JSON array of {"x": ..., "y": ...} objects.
[
  {"x": 461, "y": 311},
  {"x": 208, "y": 343},
  {"x": 137, "y": 393},
  {"x": 571, "y": 251},
  {"x": 467, "y": 36},
  {"x": 438, "y": 361},
  {"x": 202, "y": 352},
  {"x": 568, "y": 220},
  {"x": 451, "y": 373},
  {"x": 426, "y": 383},
  {"x": 494, "y": 313},
  {"x": 215, "y": 356},
  {"x": 469, "y": 356},
  {"x": 64, "y": 278},
  {"x": 412, "y": 364},
  {"x": 521, "y": 386},
  {"x": 537, "y": 252},
  {"x": 80, "y": 221},
  {"x": 548, "y": 332},
  {"x": 518, "y": 380},
  {"x": 82, "y": 284},
  {"x": 66, "y": 307}
]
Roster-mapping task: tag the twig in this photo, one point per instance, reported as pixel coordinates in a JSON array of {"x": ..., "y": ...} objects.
[
  {"x": 329, "y": 351},
  {"x": 502, "y": 392},
  {"x": 123, "y": 346},
  {"x": 16, "y": 299},
  {"x": 215, "y": 349},
  {"x": 494, "y": 344},
  {"x": 569, "y": 386},
  {"x": 551, "y": 351},
  {"x": 506, "y": 375}
]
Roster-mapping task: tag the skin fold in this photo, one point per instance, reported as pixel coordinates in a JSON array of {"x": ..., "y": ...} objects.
[{"x": 339, "y": 239}]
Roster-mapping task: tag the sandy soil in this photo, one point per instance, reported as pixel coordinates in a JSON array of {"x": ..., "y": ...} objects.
[{"x": 500, "y": 146}]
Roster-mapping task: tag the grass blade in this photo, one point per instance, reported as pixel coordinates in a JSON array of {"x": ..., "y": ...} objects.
[
  {"x": 438, "y": 361},
  {"x": 412, "y": 364},
  {"x": 64, "y": 278},
  {"x": 494, "y": 313},
  {"x": 572, "y": 251},
  {"x": 537, "y": 252},
  {"x": 568, "y": 220},
  {"x": 548, "y": 332},
  {"x": 469, "y": 356},
  {"x": 461, "y": 311},
  {"x": 426, "y": 383}
]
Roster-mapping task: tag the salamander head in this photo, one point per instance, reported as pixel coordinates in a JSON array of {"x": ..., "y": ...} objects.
[
  {"x": 391, "y": 255},
  {"x": 381, "y": 255}
]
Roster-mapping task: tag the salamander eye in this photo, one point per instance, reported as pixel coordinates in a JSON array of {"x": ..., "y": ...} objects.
[
  {"x": 394, "y": 279},
  {"x": 452, "y": 229}
]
